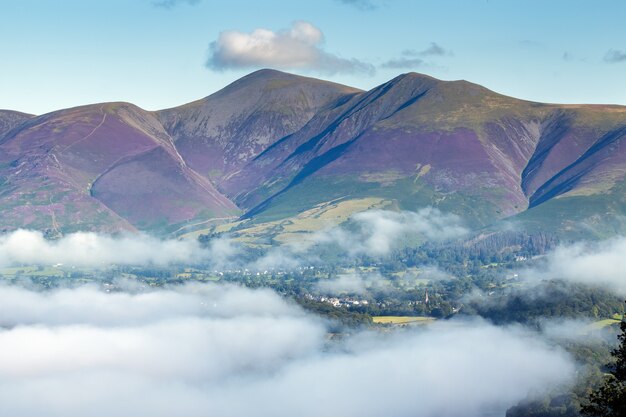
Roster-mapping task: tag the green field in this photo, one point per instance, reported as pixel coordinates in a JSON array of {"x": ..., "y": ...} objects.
[
  {"x": 600, "y": 324},
  {"x": 402, "y": 320},
  {"x": 48, "y": 271}
]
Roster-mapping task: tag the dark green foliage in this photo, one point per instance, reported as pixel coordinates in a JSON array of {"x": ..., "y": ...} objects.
[
  {"x": 498, "y": 248},
  {"x": 609, "y": 400},
  {"x": 340, "y": 318},
  {"x": 590, "y": 354},
  {"x": 553, "y": 298},
  {"x": 560, "y": 406}
]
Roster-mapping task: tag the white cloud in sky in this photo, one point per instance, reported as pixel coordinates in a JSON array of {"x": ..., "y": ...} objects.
[
  {"x": 433, "y": 50},
  {"x": 614, "y": 56},
  {"x": 299, "y": 47},
  {"x": 169, "y": 4},
  {"x": 367, "y": 5},
  {"x": 411, "y": 58}
]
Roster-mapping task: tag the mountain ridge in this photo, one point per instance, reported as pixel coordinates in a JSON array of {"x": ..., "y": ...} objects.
[{"x": 272, "y": 145}]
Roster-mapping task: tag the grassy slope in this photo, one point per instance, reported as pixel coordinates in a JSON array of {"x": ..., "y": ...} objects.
[
  {"x": 297, "y": 227},
  {"x": 579, "y": 217},
  {"x": 405, "y": 194},
  {"x": 587, "y": 210}
]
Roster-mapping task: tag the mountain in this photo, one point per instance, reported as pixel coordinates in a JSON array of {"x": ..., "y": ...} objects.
[
  {"x": 420, "y": 141},
  {"x": 10, "y": 119},
  {"x": 288, "y": 154},
  {"x": 101, "y": 167},
  {"x": 220, "y": 134}
]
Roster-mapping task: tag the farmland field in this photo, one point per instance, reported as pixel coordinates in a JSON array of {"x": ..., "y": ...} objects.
[{"x": 402, "y": 320}]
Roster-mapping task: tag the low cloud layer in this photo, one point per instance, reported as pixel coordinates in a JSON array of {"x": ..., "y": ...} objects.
[
  {"x": 573, "y": 280},
  {"x": 362, "y": 283},
  {"x": 378, "y": 232},
  {"x": 372, "y": 233},
  {"x": 199, "y": 350},
  {"x": 350, "y": 284},
  {"x": 299, "y": 47},
  {"x": 599, "y": 264},
  {"x": 575, "y": 330},
  {"x": 92, "y": 249}
]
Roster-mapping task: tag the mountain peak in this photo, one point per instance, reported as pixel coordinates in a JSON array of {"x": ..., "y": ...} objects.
[
  {"x": 417, "y": 76},
  {"x": 451, "y": 86},
  {"x": 270, "y": 72},
  {"x": 265, "y": 75},
  {"x": 271, "y": 78}
]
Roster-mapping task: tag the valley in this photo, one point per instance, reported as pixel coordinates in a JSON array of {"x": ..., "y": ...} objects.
[
  {"x": 418, "y": 204},
  {"x": 360, "y": 208}
]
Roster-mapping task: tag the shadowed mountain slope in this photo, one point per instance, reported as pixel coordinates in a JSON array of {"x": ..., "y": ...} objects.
[{"x": 219, "y": 134}]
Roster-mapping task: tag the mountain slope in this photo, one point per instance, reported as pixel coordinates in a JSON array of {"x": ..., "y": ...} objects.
[
  {"x": 10, "y": 119},
  {"x": 66, "y": 170},
  {"x": 220, "y": 133},
  {"x": 416, "y": 129},
  {"x": 421, "y": 141}
]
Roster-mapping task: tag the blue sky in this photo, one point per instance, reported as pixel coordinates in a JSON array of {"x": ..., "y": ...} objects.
[{"x": 63, "y": 53}]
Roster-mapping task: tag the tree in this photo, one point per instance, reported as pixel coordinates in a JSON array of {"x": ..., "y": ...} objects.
[{"x": 609, "y": 400}]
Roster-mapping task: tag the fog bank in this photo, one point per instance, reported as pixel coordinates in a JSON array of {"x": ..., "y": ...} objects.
[{"x": 207, "y": 350}]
